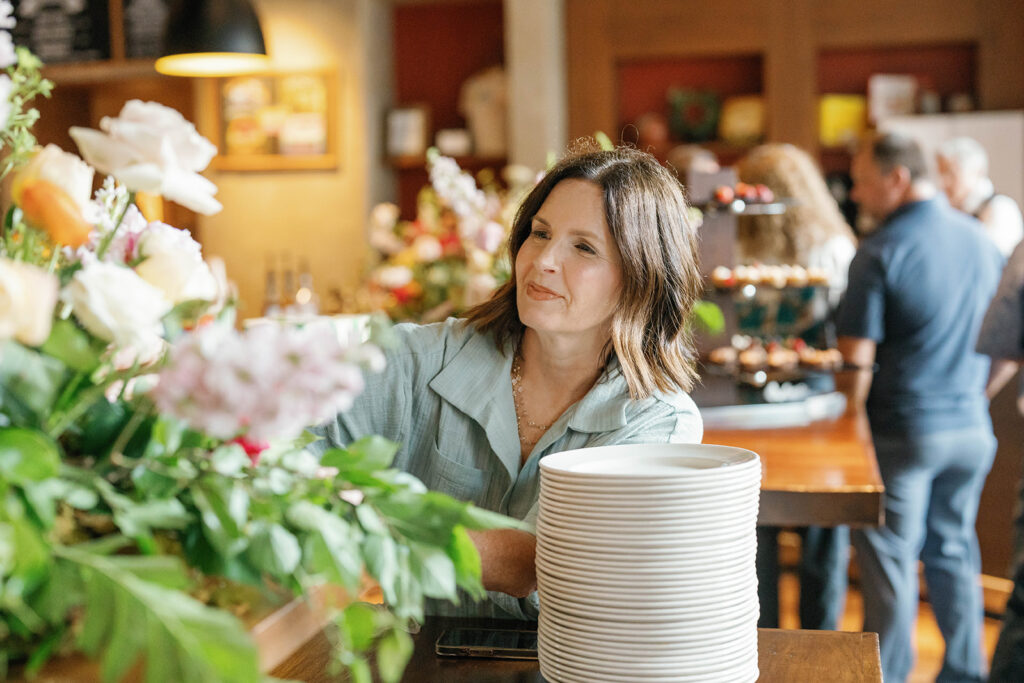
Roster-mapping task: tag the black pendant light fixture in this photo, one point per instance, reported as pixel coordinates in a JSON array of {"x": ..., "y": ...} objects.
[{"x": 212, "y": 38}]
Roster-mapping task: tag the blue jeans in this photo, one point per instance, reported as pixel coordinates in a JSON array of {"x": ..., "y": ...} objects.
[
  {"x": 932, "y": 486},
  {"x": 1008, "y": 659},
  {"x": 822, "y": 573}
]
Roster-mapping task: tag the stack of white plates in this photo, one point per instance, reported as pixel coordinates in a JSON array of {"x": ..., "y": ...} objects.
[{"x": 645, "y": 564}]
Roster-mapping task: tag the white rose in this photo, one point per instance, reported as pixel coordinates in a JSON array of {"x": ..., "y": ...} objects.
[
  {"x": 392, "y": 277},
  {"x": 152, "y": 148},
  {"x": 117, "y": 305},
  {"x": 427, "y": 248},
  {"x": 384, "y": 215},
  {"x": 172, "y": 262},
  {"x": 27, "y": 297}
]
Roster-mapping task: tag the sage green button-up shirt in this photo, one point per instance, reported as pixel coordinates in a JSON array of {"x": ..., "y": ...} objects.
[{"x": 446, "y": 397}]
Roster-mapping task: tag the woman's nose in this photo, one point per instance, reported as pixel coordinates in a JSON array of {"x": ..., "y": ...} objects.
[{"x": 547, "y": 257}]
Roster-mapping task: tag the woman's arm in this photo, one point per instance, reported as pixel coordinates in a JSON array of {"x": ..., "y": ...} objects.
[
  {"x": 999, "y": 374},
  {"x": 507, "y": 560}
]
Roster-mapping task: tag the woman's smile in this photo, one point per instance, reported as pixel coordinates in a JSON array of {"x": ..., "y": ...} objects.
[{"x": 538, "y": 293}]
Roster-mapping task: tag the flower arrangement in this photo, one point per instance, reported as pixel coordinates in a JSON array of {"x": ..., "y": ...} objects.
[
  {"x": 152, "y": 461},
  {"x": 452, "y": 256}
]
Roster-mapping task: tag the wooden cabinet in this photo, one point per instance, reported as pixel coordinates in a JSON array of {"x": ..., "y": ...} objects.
[
  {"x": 85, "y": 92},
  {"x": 437, "y": 46},
  {"x": 802, "y": 49}
]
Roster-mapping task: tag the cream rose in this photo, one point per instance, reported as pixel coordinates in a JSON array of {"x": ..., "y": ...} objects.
[
  {"x": 152, "y": 148},
  {"x": 172, "y": 262},
  {"x": 117, "y": 305},
  {"x": 64, "y": 170},
  {"x": 27, "y": 297}
]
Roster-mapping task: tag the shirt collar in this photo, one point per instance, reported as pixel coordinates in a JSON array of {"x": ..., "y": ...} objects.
[{"x": 478, "y": 382}]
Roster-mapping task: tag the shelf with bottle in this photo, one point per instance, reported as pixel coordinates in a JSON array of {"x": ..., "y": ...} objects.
[{"x": 288, "y": 291}]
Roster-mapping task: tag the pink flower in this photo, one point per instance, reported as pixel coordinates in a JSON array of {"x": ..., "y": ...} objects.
[
  {"x": 270, "y": 381},
  {"x": 252, "y": 447}
]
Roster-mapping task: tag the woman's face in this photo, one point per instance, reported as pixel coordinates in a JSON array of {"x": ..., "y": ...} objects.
[{"x": 568, "y": 271}]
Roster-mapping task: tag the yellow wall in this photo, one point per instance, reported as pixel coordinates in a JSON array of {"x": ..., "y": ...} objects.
[{"x": 316, "y": 215}]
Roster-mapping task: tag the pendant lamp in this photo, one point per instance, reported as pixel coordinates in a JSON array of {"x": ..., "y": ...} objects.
[{"x": 212, "y": 38}]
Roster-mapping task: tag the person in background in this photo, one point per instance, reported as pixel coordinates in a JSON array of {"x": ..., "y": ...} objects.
[
  {"x": 811, "y": 232},
  {"x": 963, "y": 172},
  {"x": 919, "y": 286},
  {"x": 588, "y": 344},
  {"x": 1002, "y": 338}
]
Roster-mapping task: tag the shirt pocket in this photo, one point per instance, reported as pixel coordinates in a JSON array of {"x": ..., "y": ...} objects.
[{"x": 454, "y": 478}]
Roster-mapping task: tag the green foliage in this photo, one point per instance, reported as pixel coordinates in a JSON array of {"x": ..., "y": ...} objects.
[
  {"x": 133, "y": 608},
  {"x": 708, "y": 317},
  {"x": 27, "y": 83}
]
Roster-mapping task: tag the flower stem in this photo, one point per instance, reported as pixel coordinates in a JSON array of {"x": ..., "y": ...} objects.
[{"x": 109, "y": 237}]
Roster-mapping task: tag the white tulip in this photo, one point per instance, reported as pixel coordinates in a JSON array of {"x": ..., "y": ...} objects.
[
  {"x": 27, "y": 297},
  {"x": 117, "y": 305},
  {"x": 152, "y": 148}
]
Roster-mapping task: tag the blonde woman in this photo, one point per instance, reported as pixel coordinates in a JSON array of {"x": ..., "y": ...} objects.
[{"x": 810, "y": 233}]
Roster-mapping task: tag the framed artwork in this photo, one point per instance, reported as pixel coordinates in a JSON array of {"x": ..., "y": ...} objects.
[
  {"x": 407, "y": 131},
  {"x": 277, "y": 121}
]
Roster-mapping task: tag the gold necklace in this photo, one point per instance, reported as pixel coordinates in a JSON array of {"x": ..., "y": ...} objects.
[{"x": 517, "y": 397}]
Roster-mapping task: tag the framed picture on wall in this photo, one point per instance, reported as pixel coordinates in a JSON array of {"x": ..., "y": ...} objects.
[
  {"x": 277, "y": 121},
  {"x": 407, "y": 131}
]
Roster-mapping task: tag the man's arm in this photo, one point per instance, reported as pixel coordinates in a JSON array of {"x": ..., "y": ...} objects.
[
  {"x": 855, "y": 382},
  {"x": 507, "y": 560}
]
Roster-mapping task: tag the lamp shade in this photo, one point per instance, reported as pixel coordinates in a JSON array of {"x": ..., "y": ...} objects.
[{"x": 212, "y": 38}]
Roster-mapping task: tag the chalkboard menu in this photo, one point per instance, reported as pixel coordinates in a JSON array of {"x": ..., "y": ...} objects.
[
  {"x": 63, "y": 30},
  {"x": 144, "y": 25}
]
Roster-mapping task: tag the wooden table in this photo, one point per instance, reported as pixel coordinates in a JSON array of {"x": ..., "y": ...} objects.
[
  {"x": 783, "y": 657},
  {"x": 823, "y": 473}
]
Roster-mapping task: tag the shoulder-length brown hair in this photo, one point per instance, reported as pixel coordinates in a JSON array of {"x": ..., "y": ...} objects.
[{"x": 648, "y": 220}]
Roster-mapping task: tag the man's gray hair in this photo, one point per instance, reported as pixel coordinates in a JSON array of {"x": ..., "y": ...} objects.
[{"x": 966, "y": 153}]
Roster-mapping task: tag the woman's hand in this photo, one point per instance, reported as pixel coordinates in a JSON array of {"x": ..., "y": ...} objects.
[{"x": 507, "y": 560}]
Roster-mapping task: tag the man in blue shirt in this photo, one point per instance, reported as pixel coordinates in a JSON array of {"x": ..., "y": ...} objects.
[{"x": 918, "y": 289}]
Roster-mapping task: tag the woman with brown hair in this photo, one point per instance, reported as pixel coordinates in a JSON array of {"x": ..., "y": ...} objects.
[
  {"x": 588, "y": 344},
  {"x": 811, "y": 233}
]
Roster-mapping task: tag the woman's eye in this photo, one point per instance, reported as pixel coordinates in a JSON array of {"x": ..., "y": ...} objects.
[
  {"x": 539, "y": 233},
  {"x": 586, "y": 248}
]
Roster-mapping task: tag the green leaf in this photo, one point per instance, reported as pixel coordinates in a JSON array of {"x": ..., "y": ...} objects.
[
  {"x": 709, "y": 317},
  {"x": 393, "y": 652},
  {"x": 330, "y": 544},
  {"x": 135, "y": 519},
  {"x": 273, "y": 549},
  {"x": 72, "y": 346},
  {"x": 359, "y": 670},
  {"x": 370, "y": 520},
  {"x": 478, "y": 518},
  {"x": 30, "y": 381},
  {"x": 466, "y": 559},
  {"x": 381, "y": 555},
  {"x": 434, "y": 570},
  {"x": 179, "y": 638},
  {"x": 358, "y": 623},
  {"x": 27, "y": 455},
  {"x": 223, "y": 507},
  {"x": 369, "y": 454}
]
